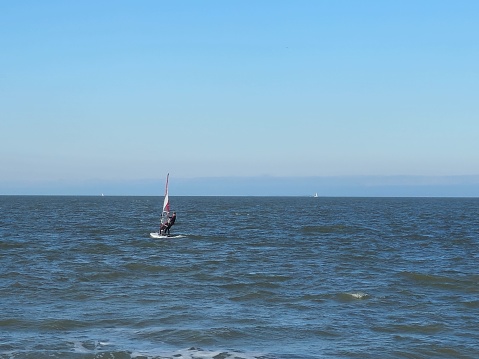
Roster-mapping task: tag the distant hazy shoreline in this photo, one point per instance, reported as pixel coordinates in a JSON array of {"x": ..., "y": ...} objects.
[{"x": 355, "y": 186}]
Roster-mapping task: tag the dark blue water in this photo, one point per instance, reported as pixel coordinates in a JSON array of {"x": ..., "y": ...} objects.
[{"x": 249, "y": 277}]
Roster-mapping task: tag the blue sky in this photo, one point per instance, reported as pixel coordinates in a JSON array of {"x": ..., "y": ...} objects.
[{"x": 125, "y": 91}]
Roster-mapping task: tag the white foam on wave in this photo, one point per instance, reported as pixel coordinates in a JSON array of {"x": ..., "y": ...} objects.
[
  {"x": 198, "y": 353},
  {"x": 90, "y": 346},
  {"x": 78, "y": 347},
  {"x": 359, "y": 295},
  {"x": 110, "y": 349}
]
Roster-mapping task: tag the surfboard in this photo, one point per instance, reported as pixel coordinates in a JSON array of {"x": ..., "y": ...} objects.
[{"x": 156, "y": 235}]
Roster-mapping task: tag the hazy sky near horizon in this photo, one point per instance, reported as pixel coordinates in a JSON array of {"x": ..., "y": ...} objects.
[{"x": 126, "y": 90}]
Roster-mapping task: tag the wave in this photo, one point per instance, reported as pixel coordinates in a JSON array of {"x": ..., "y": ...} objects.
[
  {"x": 342, "y": 297},
  {"x": 100, "y": 349},
  {"x": 352, "y": 296},
  {"x": 412, "y": 328},
  {"x": 326, "y": 229},
  {"x": 459, "y": 283}
]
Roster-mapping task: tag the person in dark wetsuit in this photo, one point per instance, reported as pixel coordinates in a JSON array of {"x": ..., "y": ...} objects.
[{"x": 166, "y": 227}]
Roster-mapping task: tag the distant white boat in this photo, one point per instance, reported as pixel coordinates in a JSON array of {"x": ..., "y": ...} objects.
[{"x": 315, "y": 195}]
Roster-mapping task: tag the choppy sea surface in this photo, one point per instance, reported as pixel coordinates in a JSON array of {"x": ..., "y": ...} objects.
[{"x": 246, "y": 277}]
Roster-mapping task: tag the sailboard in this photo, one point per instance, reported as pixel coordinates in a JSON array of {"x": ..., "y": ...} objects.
[{"x": 164, "y": 214}]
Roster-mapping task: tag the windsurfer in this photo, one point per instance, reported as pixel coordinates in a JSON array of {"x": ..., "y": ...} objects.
[{"x": 165, "y": 227}]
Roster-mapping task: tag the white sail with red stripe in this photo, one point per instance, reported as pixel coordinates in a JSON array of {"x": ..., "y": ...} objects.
[
  {"x": 166, "y": 201},
  {"x": 166, "y": 204}
]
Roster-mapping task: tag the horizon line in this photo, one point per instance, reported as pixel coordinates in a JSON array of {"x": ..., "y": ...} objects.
[{"x": 304, "y": 186}]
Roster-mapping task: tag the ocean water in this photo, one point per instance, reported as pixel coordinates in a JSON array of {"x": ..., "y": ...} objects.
[{"x": 246, "y": 277}]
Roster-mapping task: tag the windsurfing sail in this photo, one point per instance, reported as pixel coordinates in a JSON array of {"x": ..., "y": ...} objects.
[{"x": 166, "y": 203}]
